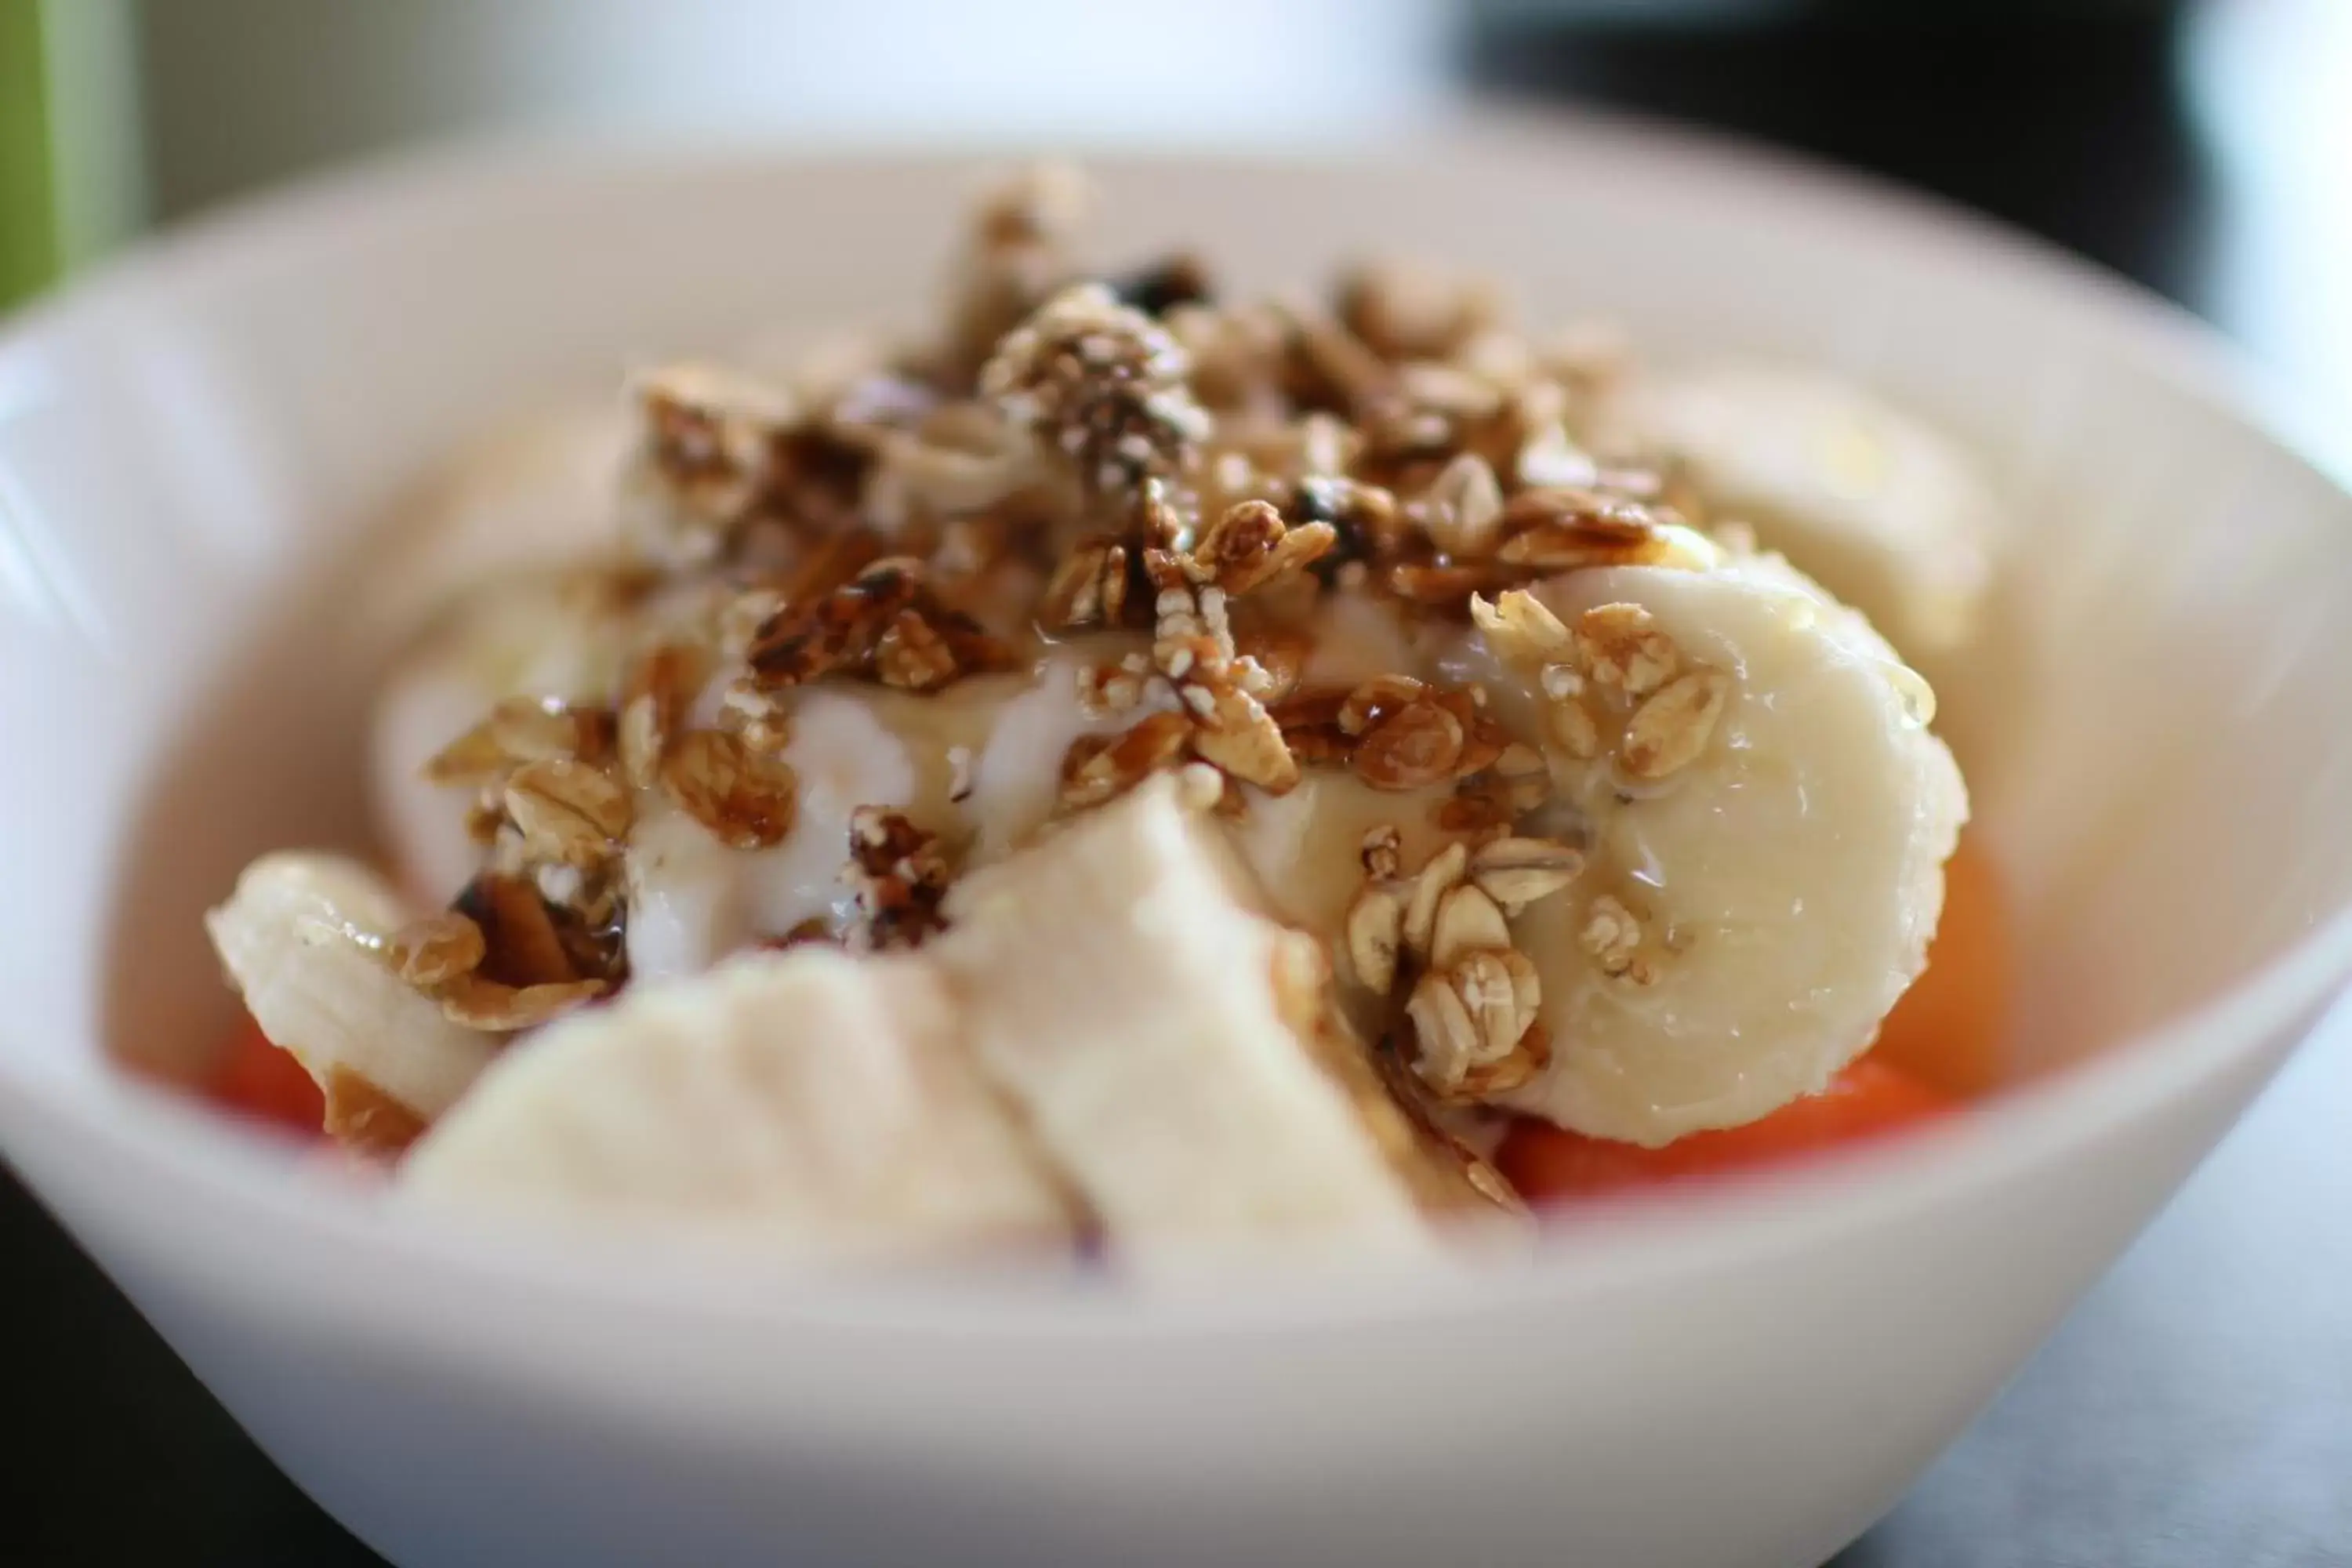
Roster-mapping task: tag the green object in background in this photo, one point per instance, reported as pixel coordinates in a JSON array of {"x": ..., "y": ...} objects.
[
  {"x": 29, "y": 255},
  {"x": 72, "y": 151}
]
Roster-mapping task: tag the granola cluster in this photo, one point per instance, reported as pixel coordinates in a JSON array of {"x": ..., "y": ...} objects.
[{"x": 1191, "y": 483}]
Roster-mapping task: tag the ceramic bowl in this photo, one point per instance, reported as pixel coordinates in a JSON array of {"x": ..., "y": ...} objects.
[{"x": 191, "y": 444}]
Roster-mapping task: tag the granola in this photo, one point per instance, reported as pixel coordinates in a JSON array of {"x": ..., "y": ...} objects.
[{"x": 1432, "y": 664}]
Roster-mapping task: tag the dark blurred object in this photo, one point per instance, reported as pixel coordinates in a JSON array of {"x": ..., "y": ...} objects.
[{"x": 2066, "y": 118}]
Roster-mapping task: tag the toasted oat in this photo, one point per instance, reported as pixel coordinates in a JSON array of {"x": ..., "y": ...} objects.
[
  {"x": 1437, "y": 878},
  {"x": 439, "y": 948},
  {"x": 1467, "y": 920},
  {"x": 1374, "y": 699},
  {"x": 486, "y": 1005},
  {"x": 1516, "y": 872},
  {"x": 1522, "y": 630},
  {"x": 747, "y": 799},
  {"x": 1673, "y": 726},
  {"x": 1411, "y": 747},
  {"x": 1375, "y": 928},
  {"x": 1573, "y": 727},
  {"x": 568, "y": 812},
  {"x": 1404, "y": 311},
  {"x": 1620, "y": 648},
  {"x": 1101, "y": 384},
  {"x": 1474, "y": 1026},
  {"x": 523, "y": 730}
]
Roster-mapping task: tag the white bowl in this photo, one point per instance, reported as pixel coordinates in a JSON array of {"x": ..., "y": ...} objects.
[{"x": 190, "y": 445}]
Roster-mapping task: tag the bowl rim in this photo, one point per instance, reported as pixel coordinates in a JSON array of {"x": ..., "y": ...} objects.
[{"x": 243, "y": 1213}]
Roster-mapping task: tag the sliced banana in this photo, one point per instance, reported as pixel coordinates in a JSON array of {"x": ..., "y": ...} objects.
[
  {"x": 1114, "y": 983},
  {"x": 532, "y": 495},
  {"x": 1768, "y": 823},
  {"x": 298, "y": 937},
  {"x": 1890, "y": 515},
  {"x": 803, "y": 1101}
]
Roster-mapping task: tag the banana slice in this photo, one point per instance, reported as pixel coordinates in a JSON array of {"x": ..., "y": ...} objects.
[
  {"x": 1767, "y": 816},
  {"x": 297, "y": 937},
  {"x": 534, "y": 494},
  {"x": 803, "y": 1101},
  {"x": 1153, "y": 1030},
  {"x": 1890, "y": 515}
]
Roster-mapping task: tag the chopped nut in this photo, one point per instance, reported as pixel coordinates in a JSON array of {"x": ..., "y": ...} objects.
[
  {"x": 486, "y": 1005},
  {"x": 1415, "y": 746},
  {"x": 1622, "y": 648},
  {"x": 568, "y": 812},
  {"x": 1516, "y": 872},
  {"x": 1467, "y": 921},
  {"x": 746, "y": 798},
  {"x": 1097, "y": 768},
  {"x": 1251, "y": 546},
  {"x": 436, "y": 949},
  {"x": 1668, "y": 732},
  {"x": 885, "y": 625},
  {"x": 1375, "y": 927},
  {"x": 1238, "y": 735},
  {"x": 1088, "y": 588},
  {"x": 1382, "y": 848},
  {"x": 1435, "y": 880},
  {"x": 913, "y": 656}
]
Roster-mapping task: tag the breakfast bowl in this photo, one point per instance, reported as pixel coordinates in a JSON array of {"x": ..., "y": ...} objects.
[{"x": 196, "y": 446}]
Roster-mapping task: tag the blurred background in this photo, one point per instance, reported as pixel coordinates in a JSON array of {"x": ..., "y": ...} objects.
[
  {"x": 2198, "y": 1410},
  {"x": 2197, "y": 146}
]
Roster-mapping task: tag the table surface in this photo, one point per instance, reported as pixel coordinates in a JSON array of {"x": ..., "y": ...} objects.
[{"x": 2196, "y": 1408}]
